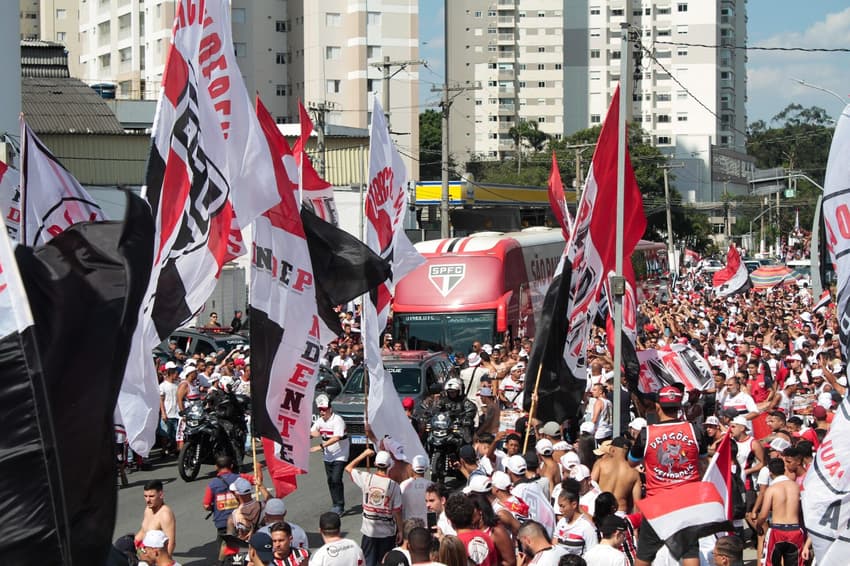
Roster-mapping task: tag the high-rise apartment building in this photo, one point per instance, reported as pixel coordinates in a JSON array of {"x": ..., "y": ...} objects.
[
  {"x": 558, "y": 64},
  {"x": 321, "y": 53},
  {"x": 30, "y": 28}
]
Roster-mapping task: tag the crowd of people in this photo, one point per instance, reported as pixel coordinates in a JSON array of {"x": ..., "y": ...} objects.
[{"x": 542, "y": 492}]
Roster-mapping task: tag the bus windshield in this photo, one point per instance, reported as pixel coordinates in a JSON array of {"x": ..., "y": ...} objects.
[{"x": 437, "y": 331}]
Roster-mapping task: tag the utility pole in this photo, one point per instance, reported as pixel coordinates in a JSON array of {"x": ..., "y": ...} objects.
[
  {"x": 445, "y": 107},
  {"x": 319, "y": 109},
  {"x": 386, "y": 66},
  {"x": 666, "y": 169}
]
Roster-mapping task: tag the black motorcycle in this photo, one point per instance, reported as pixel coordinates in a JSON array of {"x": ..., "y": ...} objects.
[
  {"x": 211, "y": 433},
  {"x": 443, "y": 441}
]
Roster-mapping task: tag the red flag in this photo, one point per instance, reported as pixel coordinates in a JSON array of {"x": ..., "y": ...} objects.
[
  {"x": 734, "y": 278},
  {"x": 284, "y": 475},
  {"x": 719, "y": 472},
  {"x": 557, "y": 200},
  {"x": 310, "y": 179}
]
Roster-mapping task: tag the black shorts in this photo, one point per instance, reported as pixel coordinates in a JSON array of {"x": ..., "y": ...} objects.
[{"x": 648, "y": 544}]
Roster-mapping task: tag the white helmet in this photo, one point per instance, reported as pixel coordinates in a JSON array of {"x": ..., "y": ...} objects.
[{"x": 454, "y": 384}]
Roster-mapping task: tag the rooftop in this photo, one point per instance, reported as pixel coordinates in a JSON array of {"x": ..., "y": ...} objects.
[{"x": 63, "y": 105}]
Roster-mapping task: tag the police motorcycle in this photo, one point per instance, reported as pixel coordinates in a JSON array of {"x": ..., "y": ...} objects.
[
  {"x": 212, "y": 427},
  {"x": 444, "y": 437}
]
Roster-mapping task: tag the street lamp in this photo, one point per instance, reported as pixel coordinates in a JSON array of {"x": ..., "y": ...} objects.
[
  {"x": 820, "y": 88},
  {"x": 751, "y": 227}
]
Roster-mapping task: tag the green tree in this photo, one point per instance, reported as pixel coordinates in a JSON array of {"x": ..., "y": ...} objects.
[{"x": 430, "y": 145}]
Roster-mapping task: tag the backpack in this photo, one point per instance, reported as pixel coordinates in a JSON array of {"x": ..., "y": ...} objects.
[{"x": 246, "y": 519}]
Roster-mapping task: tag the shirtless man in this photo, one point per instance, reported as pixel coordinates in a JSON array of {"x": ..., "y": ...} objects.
[
  {"x": 613, "y": 473},
  {"x": 785, "y": 537},
  {"x": 158, "y": 516},
  {"x": 549, "y": 467}
]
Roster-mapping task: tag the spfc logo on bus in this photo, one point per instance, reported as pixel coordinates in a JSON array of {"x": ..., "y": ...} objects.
[{"x": 446, "y": 277}]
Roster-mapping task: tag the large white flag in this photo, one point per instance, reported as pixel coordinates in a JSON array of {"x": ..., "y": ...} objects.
[
  {"x": 52, "y": 200},
  {"x": 386, "y": 203},
  {"x": 209, "y": 173},
  {"x": 285, "y": 337},
  {"x": 826, "y": 494},
  {"x": 836, "y": 219},
  {"x": 10, "y": 200}
]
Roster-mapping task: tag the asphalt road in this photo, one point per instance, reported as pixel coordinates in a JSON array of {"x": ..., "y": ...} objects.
[{"x": 196, "y": 544}]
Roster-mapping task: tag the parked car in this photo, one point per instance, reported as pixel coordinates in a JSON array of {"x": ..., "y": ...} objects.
[
  {"x": 202, "y": 341},
  {"x": 710, "y": 265},
  {"x": 414, "y": 374}
]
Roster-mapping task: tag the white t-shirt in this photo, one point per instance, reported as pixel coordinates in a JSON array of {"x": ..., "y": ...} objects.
[
  {"x": 603, "y": 555},
  {"x": 343, "y": 552},
  {"x": 577, "y": 537},
  {"x": 445, "y": 525},
  {"x": 587, "y": 502},
  {"x": 413, "y": 498},
  {"x": 168, "y": 391},
  {"x": 764, "y": 477},
  {"x": 549, "y": 557},
  {"x": 381, "y": 498},
  {"x": 334, "y": 426}
]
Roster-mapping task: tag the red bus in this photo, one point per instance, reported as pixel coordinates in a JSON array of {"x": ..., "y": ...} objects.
[{"x": 479, "y": 287}]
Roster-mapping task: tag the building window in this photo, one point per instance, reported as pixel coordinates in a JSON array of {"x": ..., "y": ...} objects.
[
  {"x": 541, "y": 50},
  {"x": 479, "y": 102},
  {"x": 594, "y": 10},
  {"x": 125, "y": 54},
  {"x": 60, "y": 36},
  {"x": 240, "y": 49},
  {"x": 493, "y": 136},
  {"x": 681, "y": 95},
  {"x": 617, "y": 12},
  {"x": 595, "y": 32},
  {"x": 477, "y": 14},
  {"x": 558, "y": 66},
  {"x": 724, "y": 140},
  {"x": 61, "y": 13},
  {"x": 682, "y": 117},
  {"x": 333, "y": 86},
  {"x": 493, "y": 118},
  {"x": 663, "y": 11},
  {"x": 541, "y": 14},
  {"x": 595, "y": 75},
  {"x": 282, "y": 90},
  {"x": 281, "y": 119},
  {"x": 663, "y": 140},
  {"x": 682, "y": 7},
  {"x": 105, "y": 60},
  {"x": 237, "y": 15},
  {"x": 662, "y": 97},
  {"x": 541, "y": 67},
  {"x": 594, "y": 54},
  {"x": 373, "y": 18},
  {"x": 662, "y": 119},
  {"x": 491, "y": 48},
  {"x": 595, "y": 119},
  {"x": 615, "y": 55},
  {"x": 682, "y": 52},
  {"x": 521, "y": 84},
  {"x": 541, "y": 84},
  {"x": 541, "y": 119},
  {"x": 333, "y": 19},
  {"x": 282, "y": 58},
  {"x": 663, "y": 33},
  {"x": 281, "y": 25},
  {"x": 682, "y": 30},
  {"x": 491, "y": 13},
  {"x": 373, "y": 51},
  {"x": 491, "y": 31},
  {"x": 332, "y": 52}
]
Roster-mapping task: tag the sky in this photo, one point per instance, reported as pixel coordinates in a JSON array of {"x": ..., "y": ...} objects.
[{"x": 772, "y": 23}]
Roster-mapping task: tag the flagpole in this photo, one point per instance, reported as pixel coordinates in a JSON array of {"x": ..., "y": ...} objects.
[
  {"x": 618, "y": 286},
  {"x": 533, "y": 409}
]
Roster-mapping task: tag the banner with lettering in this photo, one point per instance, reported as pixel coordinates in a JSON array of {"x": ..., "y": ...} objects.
[
  {"x": 826, "y": 492},
  {"x": 676, "y": 363},
  {"x": 209, "y": 173}
]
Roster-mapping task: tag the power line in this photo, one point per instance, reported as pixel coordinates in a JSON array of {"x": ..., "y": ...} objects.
[{"x": 756, "y": 48}]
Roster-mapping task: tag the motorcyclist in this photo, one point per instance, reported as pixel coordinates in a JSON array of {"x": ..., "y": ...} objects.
[
  {"x": 225, "y": 404},
  {"x": 460, "y": 409}
]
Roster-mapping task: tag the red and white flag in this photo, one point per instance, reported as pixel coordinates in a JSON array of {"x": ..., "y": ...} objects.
[
  {"x": 692, "y": 257},
  {"x": 386, "y": 204},
  {"x": 592, "y": 246},
  {"x": 10, "y": 200},
  {"x": 684, "y": 514},
  {"x": 836, "y": 219},
  {"x": 285, "y": 341},
  {"x": 824, "y": 301},
  {"x": 317, "y": 193},
  {"x": 558, "y": 201},
  {"x": 209, "y": 173},
  {"x": 826, "y": 489},
  {"x": 734, "y": 278},
  {"x": 51, "y": 198},
  {"x": 674, "y": 363},
  {"x": 719, "y": 472}
]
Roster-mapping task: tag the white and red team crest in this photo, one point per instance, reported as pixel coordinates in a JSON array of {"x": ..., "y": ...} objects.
[{"x": 446, "y": 277}]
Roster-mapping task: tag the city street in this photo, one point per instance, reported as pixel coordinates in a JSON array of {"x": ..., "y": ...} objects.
[{"x": 196, "y": 543}]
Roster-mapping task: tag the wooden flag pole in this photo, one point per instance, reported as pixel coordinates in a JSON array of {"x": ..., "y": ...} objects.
[
  {"x": 533, "y": 409},
  {"x": 366, "y": 413},
  {"x": 257, "y": 470}
]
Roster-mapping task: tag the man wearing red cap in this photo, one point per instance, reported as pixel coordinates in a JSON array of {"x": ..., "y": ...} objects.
[{"x": 670, "y": 451}]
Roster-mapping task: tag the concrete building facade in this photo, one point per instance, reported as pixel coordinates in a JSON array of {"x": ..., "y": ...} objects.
[
  {"x": 558, "y": 64},
  {"x": 288, "y": 50}
]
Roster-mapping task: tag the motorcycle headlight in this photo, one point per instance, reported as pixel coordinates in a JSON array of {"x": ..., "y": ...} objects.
[
  {"x": 195, "y": 412},
  {"x": 192, "y": 422}
]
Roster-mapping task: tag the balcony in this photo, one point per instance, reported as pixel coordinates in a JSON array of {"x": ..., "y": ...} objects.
[
  {"x": 507, "y": 110},
  {"x": 506, "y": 75},
  {"x": 505, "y": 38},
  {"x": 507, "y": 20}
]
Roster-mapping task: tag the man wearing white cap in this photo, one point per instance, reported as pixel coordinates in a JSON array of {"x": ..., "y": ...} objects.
[
  {"x": 785, "y": 400},
  {"x": 154, "y": 550},
  {"x": 413, "y": 490},
  {"x": 530, "y": 492},
  {"x": 750, "y": 457},
  {"x": 588, "y": 491},
  {"x": 637, "y": 425},
  {"x": 334, "y": 446},
  {"x": 382, "y": 506}
]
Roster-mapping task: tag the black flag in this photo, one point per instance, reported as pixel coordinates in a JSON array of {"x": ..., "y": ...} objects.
[
  {"x": 85, "y": 288},
  {"x": 559, "y": 392}
]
